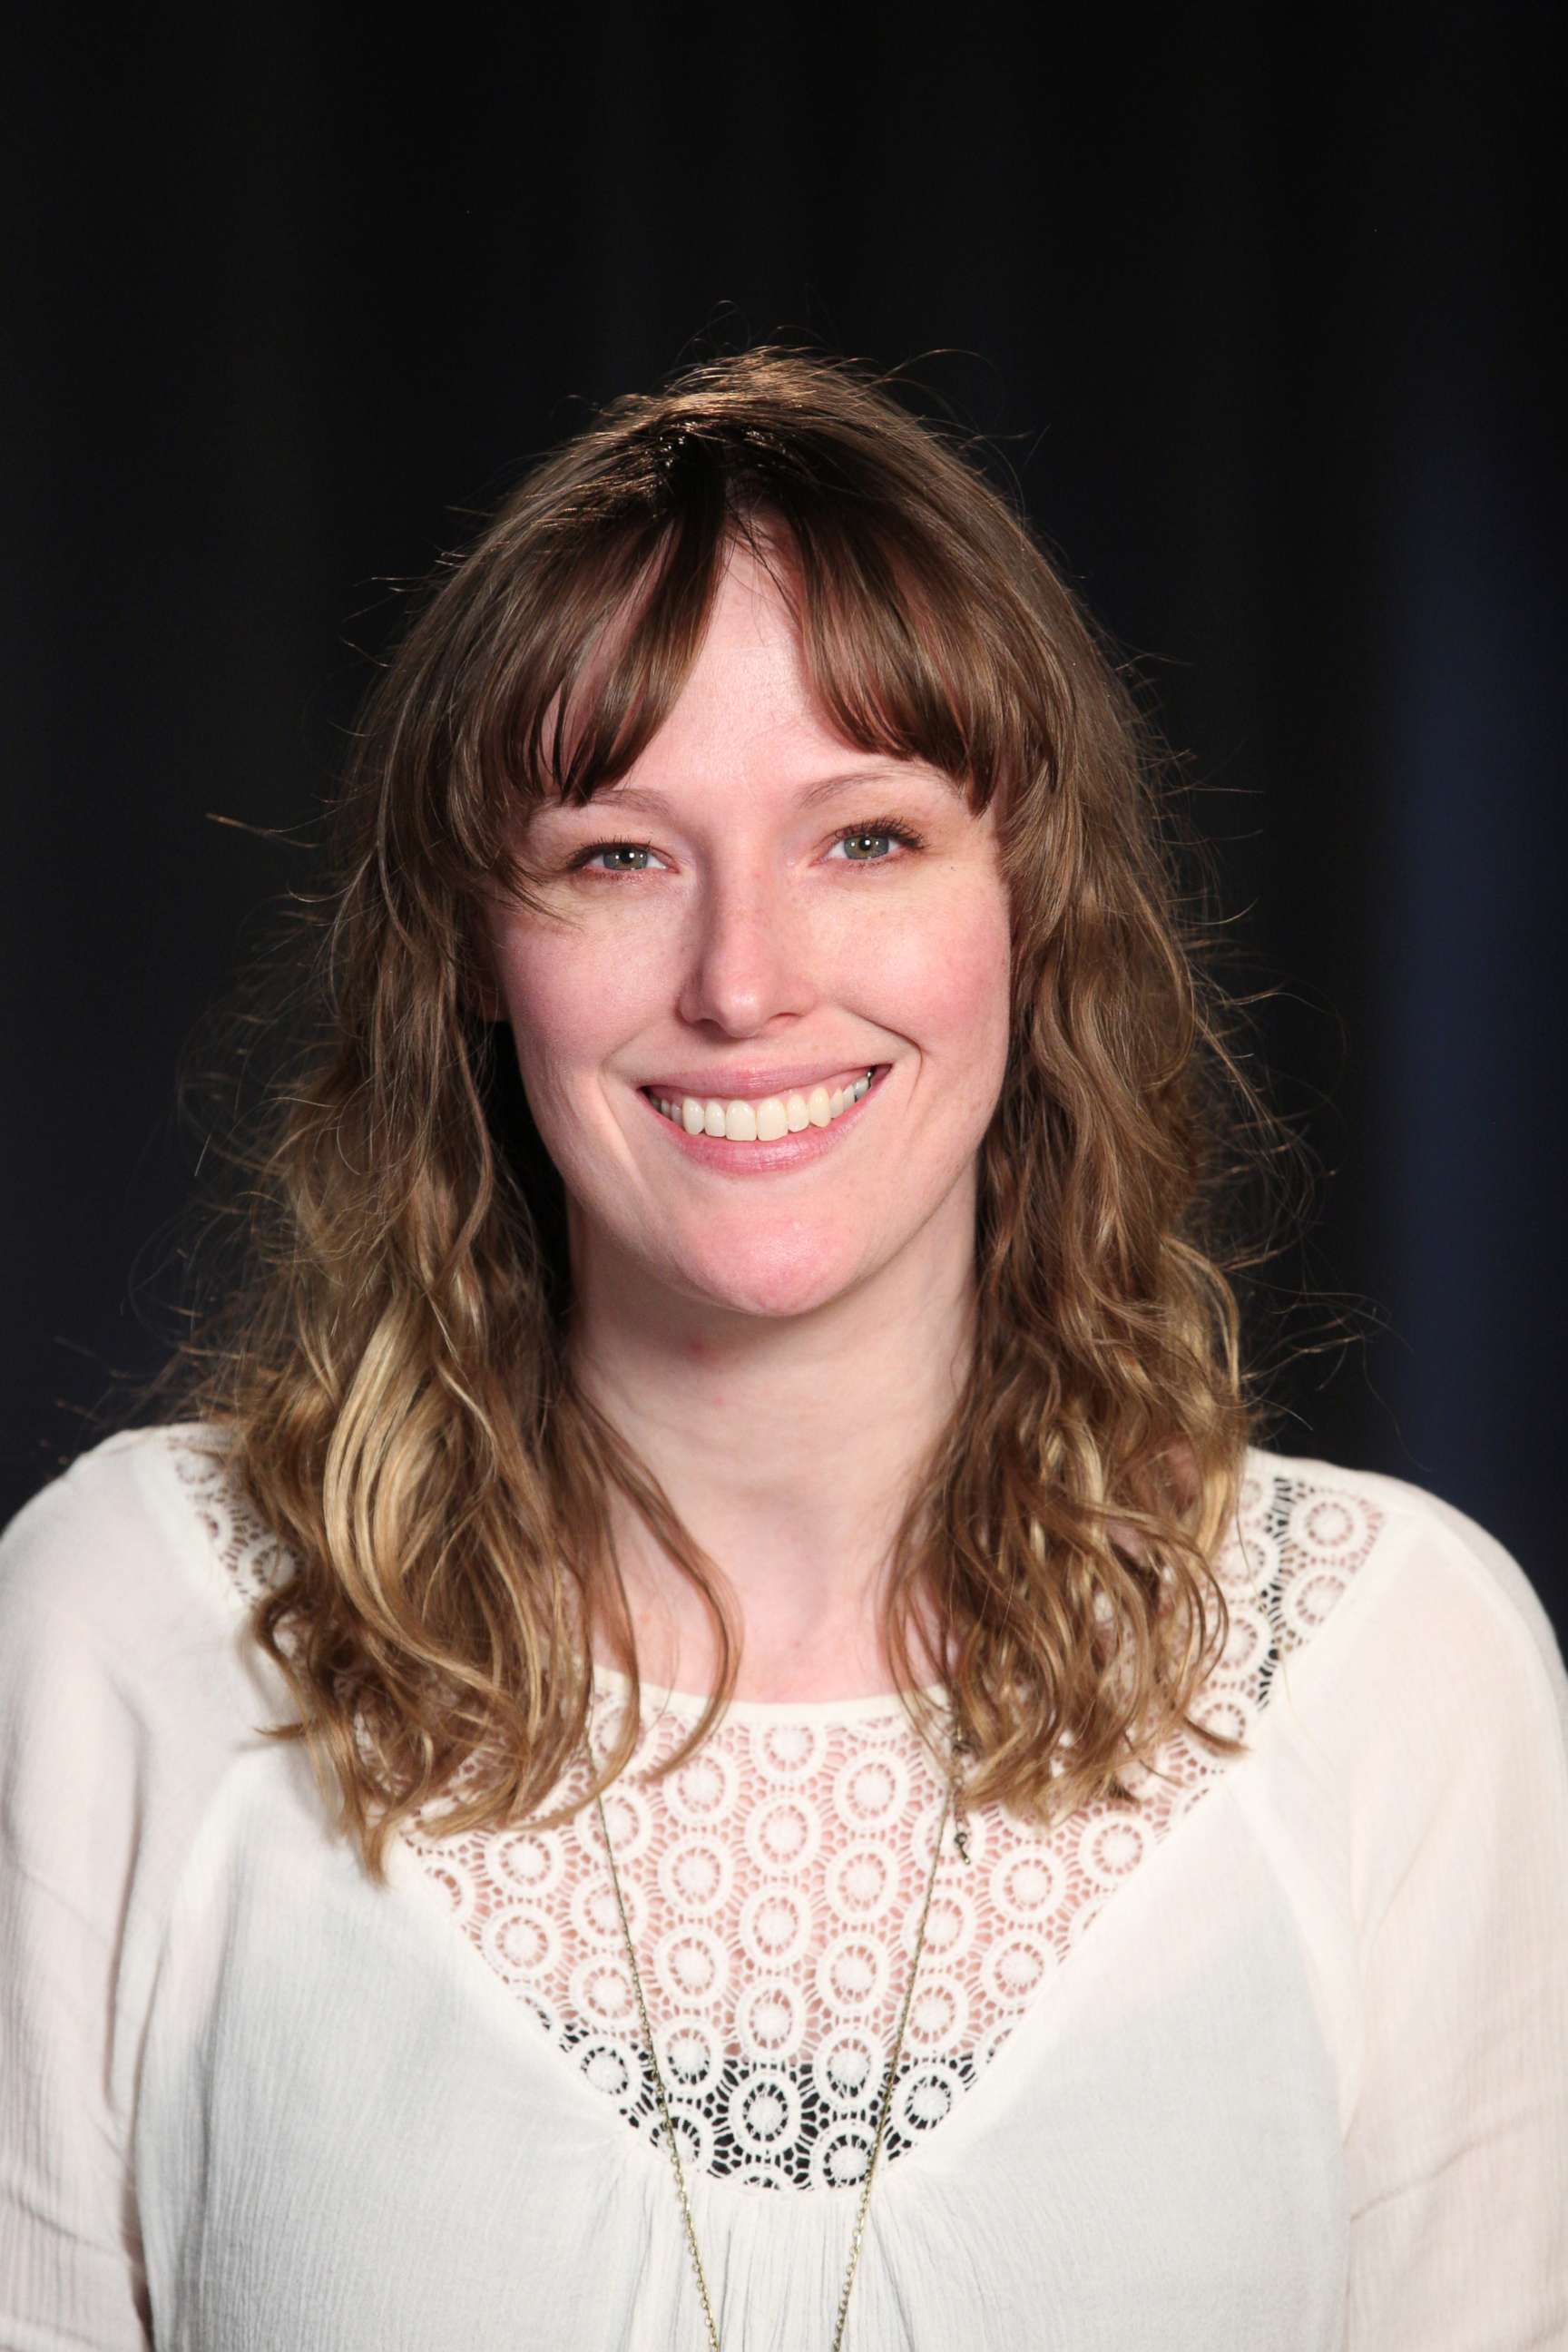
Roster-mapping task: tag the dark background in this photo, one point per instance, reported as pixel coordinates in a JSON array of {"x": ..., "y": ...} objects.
[{"x": 1256, "y": 304}]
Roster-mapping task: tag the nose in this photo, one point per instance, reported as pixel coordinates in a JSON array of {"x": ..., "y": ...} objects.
[{"x": 750, "y": 955}]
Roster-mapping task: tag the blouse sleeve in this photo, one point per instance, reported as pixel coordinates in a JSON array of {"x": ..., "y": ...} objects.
[
  {"x": 72, "y": 1799},
  {"x": 1457, "y": 2142},
  {"x": 123, "y": 1700}
]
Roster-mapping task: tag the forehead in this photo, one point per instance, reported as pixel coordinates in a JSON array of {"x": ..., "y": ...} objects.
[{"x": 746, "y": 706}]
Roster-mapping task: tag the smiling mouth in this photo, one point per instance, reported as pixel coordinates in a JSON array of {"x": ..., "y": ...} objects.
[{"x": 766, "y": 1118}]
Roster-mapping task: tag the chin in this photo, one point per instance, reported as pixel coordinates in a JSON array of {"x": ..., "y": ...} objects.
[{"x": 775, "y": 1286}]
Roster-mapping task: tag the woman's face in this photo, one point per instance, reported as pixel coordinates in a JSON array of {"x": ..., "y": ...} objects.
[{"x": 760, "y": 932}]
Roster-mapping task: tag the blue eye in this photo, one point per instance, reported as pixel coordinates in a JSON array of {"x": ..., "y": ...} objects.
[
  {"x": 615, "y": 848},
  {"x": 883, "y": 828}
]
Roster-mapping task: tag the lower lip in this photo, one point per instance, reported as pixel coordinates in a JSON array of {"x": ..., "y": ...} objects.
[{"x": 765, "y": 1159}]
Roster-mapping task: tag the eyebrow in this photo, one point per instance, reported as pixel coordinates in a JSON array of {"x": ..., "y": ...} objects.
[{"x": 655, "y": 804}]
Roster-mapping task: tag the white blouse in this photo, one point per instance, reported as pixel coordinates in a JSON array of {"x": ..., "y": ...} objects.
[{"x": 1278, "y": 2059}]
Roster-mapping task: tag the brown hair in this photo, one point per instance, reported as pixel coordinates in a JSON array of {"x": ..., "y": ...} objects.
[{"x": 390, "y": 1366}]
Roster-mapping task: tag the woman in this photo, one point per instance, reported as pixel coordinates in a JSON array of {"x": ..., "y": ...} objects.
[{"x": 849, "y": 1799}]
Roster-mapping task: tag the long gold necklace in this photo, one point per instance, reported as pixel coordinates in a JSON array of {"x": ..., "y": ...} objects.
[{"x": 953, "y": 1804}]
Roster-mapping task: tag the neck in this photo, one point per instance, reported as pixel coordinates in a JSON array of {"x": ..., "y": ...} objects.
[{"x": 786, "y": 1448}]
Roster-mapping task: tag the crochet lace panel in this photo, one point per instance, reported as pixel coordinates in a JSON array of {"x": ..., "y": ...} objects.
[{"x": 774, "y": 1885}]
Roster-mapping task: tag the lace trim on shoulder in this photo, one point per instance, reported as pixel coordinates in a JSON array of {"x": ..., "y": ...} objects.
[{"x": 254, "y": 1559}]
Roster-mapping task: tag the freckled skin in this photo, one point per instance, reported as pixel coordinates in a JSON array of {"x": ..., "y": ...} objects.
[{"x": 749, "y": 932}]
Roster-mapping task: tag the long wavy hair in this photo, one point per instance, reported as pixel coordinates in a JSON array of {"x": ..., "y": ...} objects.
[{"x": 387, "y": 1355}]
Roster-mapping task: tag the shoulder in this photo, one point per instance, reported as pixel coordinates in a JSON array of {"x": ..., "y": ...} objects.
[
  {"x": 1431, "y": 1629},
  {"x": 129, "y": 1694},
  {"x": 139, "y": 1548}
]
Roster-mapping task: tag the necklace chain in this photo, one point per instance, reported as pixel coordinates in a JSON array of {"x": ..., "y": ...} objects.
[{"x": 953, "y": 1804}]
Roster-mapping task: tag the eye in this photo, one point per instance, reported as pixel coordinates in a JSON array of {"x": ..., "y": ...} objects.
[
  {"x": 585, "y": 858},
  {"x": 880, "y": 828}
]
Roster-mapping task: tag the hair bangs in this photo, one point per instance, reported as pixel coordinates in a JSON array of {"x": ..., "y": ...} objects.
[
  {"x": 888, "y": 670},
  {"x": 615, "y": 670},
  {"x": 899, "y": 657}
]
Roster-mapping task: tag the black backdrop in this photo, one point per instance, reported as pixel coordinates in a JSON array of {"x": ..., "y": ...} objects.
[{"x": 1255, "y": 303}]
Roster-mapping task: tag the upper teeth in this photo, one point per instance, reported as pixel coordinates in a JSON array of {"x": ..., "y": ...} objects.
[{"x": 741, "y": 1121}]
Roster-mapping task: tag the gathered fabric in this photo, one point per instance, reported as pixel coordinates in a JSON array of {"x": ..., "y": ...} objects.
[{"x": 1277, "y": 2055}]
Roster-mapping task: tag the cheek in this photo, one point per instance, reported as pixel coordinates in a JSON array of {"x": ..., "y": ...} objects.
[
  {"x": 568, "y": 993},
  {"x": 947, "y": 985}
]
